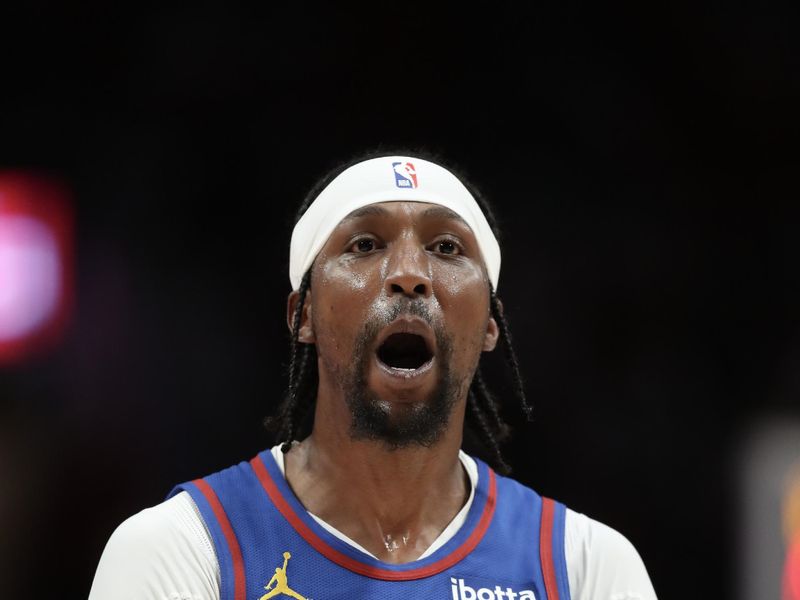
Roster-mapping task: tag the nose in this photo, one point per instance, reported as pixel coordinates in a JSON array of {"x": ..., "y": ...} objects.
[{"x": 408, "y": 272}]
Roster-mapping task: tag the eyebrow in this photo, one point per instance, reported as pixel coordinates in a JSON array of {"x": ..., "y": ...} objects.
[
  {"x": 434, "y": 212},
  {"x": 442, "y": 212},
  {"x": 367, "y": 211}
]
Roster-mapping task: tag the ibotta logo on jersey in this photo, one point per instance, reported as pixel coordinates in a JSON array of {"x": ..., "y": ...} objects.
[{"x": 462, "y": 591}]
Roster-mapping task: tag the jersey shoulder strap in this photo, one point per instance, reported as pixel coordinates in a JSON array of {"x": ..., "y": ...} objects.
[
  {"x": 212, "y": 496},
  {"x": 547, "y": 522},
  {"x": 551, "y": 550}
]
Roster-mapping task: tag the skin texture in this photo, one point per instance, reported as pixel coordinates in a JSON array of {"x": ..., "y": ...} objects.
[{"x": 379, "y": 263}]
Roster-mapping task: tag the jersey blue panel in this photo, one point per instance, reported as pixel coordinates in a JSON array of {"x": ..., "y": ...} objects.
[{"x": 268, "y": 542}]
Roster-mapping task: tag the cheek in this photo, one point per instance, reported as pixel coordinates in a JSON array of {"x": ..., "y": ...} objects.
[
  {"x": 342, "y": 296},
  {"x": 454, "y": 282},
  {"x": 339, "y": 273},
  {"x": 464, "y": 299}
]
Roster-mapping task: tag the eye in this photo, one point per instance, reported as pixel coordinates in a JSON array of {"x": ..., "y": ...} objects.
[
  {"x": 363, "y": 245},
  {"x": 447, "y": 246}
]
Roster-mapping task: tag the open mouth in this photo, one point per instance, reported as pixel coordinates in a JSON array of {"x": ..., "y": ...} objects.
[{"x": 404, "y": 351}]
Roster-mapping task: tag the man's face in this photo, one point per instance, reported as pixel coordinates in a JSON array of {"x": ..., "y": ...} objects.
[{"x": 399, "y": 313}]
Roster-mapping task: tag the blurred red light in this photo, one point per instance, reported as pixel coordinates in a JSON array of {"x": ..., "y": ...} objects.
[{"x": 36, "y": 270}]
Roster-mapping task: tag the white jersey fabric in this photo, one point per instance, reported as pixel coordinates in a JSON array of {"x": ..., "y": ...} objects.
[{"x": 166, "y": 553}]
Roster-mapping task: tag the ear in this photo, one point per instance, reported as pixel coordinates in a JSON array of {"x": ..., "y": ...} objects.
[
  {"x": 306, "y": 332},
  {"x": 492, "y": 331}
]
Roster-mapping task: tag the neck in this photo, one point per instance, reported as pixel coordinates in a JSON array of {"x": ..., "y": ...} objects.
[{"x": 393, "y": 502}]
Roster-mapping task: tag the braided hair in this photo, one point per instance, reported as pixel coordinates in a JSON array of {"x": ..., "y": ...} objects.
[{"x": 293, "y": 418}]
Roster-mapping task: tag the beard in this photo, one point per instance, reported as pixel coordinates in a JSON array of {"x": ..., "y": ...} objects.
[{"x": 420, "y": 423}]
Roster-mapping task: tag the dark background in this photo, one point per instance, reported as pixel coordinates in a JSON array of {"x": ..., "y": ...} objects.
[{"x": 642, "y": 161}]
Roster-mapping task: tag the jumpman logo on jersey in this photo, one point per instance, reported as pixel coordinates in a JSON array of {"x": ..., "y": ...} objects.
[{"x": 281, "y": 586}]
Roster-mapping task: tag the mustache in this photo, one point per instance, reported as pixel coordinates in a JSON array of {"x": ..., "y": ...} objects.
[
  {"x": 416, "y": 308},
  {"x": 379, "y": 319}
]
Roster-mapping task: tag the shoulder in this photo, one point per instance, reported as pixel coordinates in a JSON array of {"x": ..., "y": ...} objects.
[
  {"x": 602, "y": 563},
  {"x": 162, "y": 552}
]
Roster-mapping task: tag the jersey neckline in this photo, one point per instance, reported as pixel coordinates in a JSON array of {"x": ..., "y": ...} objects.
[{"x": 454, "y": 550}]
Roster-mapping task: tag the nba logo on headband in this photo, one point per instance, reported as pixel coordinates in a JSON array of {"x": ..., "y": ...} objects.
[{"x": 405, "y": 175}]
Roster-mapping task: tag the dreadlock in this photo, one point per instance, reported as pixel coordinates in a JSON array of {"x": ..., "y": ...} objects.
[{"x": 294, "y": 417}]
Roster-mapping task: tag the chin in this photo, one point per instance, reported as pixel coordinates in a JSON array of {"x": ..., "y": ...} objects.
[{"x": 401, "y": 418}]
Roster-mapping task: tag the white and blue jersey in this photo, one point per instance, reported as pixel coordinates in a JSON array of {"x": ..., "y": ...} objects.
[{"x": 510, "y": 547}]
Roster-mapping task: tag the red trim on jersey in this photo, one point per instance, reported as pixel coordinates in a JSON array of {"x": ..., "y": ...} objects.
[
  {"x": 230, "y": 537},
  {"x": 546, "y": 549},
  {"x": 363, "y": 569}
]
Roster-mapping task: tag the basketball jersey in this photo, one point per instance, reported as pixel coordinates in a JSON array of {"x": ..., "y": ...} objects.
[{"x": 510, "y": 547}]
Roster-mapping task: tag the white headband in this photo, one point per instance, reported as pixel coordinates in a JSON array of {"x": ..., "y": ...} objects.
[{"x": 387, "y": 179}]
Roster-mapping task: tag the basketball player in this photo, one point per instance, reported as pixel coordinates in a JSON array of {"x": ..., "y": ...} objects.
[{"x": 394, "y": 264}]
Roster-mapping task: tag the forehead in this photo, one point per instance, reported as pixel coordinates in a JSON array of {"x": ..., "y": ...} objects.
[{"x": 417, "y": 211}]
